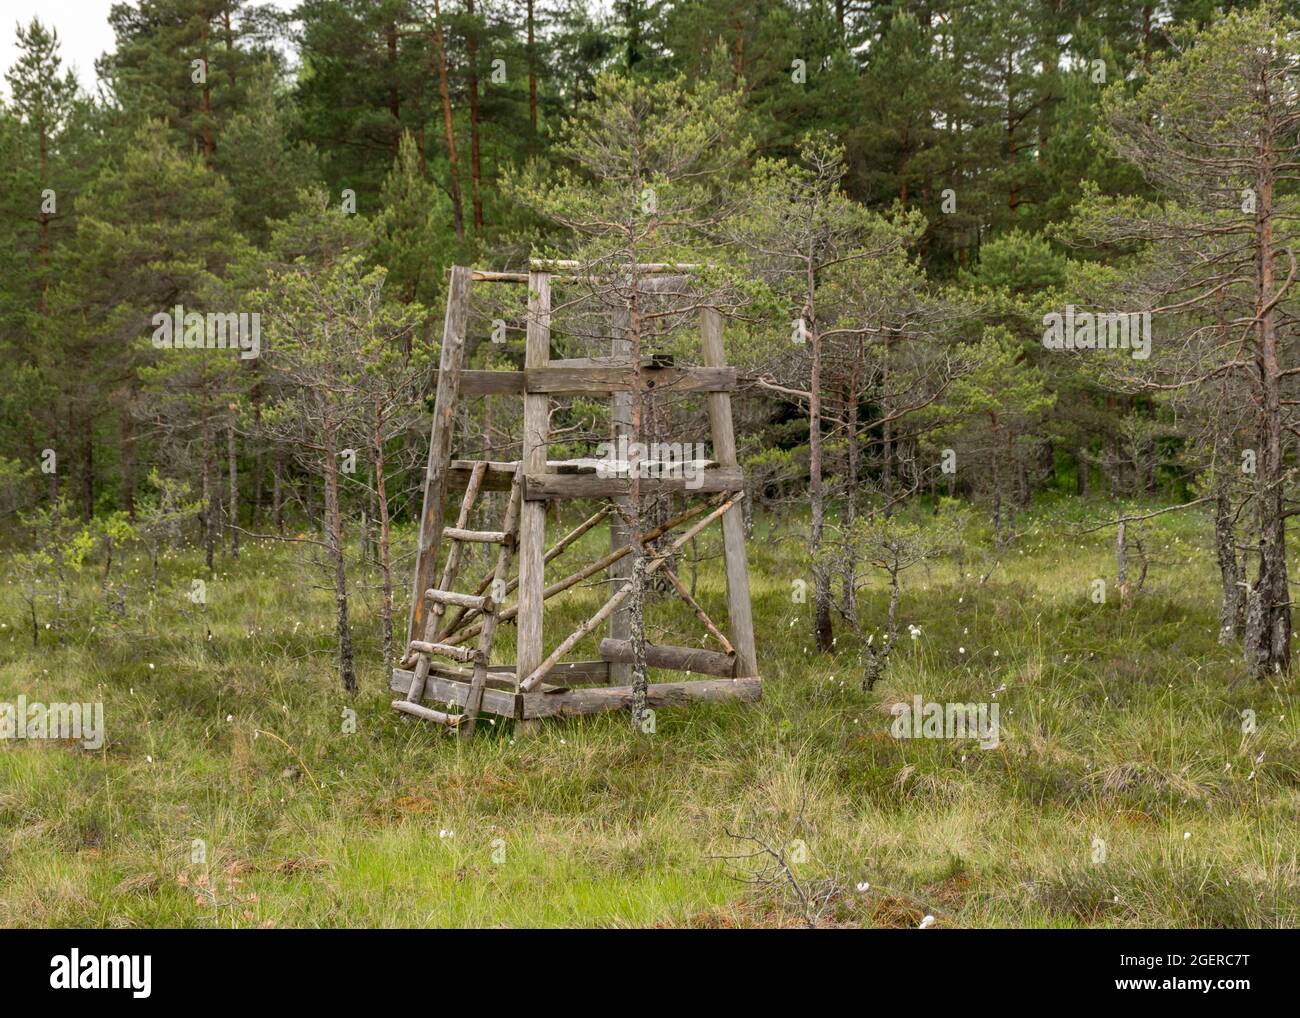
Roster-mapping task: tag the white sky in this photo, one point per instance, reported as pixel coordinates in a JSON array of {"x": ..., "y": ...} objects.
[{"x": 83, "y": 32}]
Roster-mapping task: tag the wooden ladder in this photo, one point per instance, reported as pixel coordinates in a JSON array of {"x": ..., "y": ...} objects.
[{"x": 486, "y": 602}]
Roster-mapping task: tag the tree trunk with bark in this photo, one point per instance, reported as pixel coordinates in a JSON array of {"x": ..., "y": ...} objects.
[
  {"x": 822, "y": 627},
  {"x": 444, "y": 91},
  {"x": 232, "y": 458},
  {"x": 475, "y": 169},
  {"x": 334, "y": 544},
  {"x": 532, "y": 72},
  {"x": 209, "y": 499},
  {"x": 1272, "y": 651},
  {"x": 1232, "y": 617},
  {"x": 385, "y": 558}
]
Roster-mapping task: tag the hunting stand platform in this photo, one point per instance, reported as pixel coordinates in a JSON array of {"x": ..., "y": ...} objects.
[{"x": 443, "y": 622}]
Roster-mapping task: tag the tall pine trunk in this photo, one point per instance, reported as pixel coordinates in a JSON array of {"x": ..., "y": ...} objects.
[
  {"x": 475, "y": 169},
  {"x": 532, "y": 73},
  {"x": 1268, "y": 647},
  {"x": 440, "y": 52}
]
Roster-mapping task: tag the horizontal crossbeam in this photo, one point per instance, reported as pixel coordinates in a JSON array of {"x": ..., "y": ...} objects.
[
  {"x": 702, "y": 482},
  {"x": 679, "y": 659},
  {"x": 574, "y": 702},
  {"x": 595, "y": 380}
]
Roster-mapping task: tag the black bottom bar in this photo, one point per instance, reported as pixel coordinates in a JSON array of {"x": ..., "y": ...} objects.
[{"x": 930, "y": 969}]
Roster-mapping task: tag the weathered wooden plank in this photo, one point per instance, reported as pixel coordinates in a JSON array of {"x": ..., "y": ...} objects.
[
  {"x": 532, "y": 519},
  {"x": 649, "y": 360},
  {"x": 543, "y": 486},
  {"x": 662, "y": 655},
  {"x": 560, "y": 265},
  {"x": 652, "y": 268},
  {"x": 577, "y": 673},
  {"x": 575, "y": 702},
  {"x": 739, "y": 613},
  {"x": 498, "y": 477},
  {"x": 578, "y": 381},
  {"x": 502, "y": 676},
  {"x": 440, "y": 434},
  {"x": 475, "y": 382},
  {"x": 675, "y": 380},
  {"x": 595, "y": 380},
  {"x": 441, "y": 689},
  {"x": 611, "y": 465},
  {"x": 504, "y": 469}
]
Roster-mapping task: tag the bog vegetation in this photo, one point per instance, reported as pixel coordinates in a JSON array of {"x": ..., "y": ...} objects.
[{"x": 1009, "y": 290}]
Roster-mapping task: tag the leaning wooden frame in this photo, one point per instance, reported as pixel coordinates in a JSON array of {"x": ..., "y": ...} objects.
[{"x": 460, "y": 627}]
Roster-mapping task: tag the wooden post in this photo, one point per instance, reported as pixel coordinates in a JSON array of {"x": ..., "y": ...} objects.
[
  {"x": 733, "y": 525},
  {"x": 532, "y": 514},
  {"x": 440, "y": 434}
]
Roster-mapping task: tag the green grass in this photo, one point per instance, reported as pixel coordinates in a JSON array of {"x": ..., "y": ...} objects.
[{"x": 1119, "y": 725}]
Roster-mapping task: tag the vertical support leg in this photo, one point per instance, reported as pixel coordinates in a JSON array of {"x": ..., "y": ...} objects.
[
  {"x": 733, "y": 525},
  {"x": 440, "y": 433},
  {"x": 532, "y": 515}
]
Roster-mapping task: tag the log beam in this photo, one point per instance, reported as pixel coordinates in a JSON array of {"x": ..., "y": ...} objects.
[
  {"x": 576, "y": 702},
  {"x": 678, "y": 659}
]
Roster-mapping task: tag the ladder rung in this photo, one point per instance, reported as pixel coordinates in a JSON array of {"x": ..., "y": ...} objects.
[
  {"x": 427, "y": 713},
  {"x": 462, "y": 600},
  {"x": 444, "y": 650},
  {"x": 474, "y": 536}
]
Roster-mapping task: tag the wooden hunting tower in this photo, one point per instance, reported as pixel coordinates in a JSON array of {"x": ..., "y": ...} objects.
[{"x": 450, "y": 634}]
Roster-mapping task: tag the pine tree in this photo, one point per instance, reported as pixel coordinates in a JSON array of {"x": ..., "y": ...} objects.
[
  {"x": 1215, "y": 130},
  {"x": 413, "y": 237},
  {"x": 186, "y": 62},
  {"x": 803, "y": 233}
]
